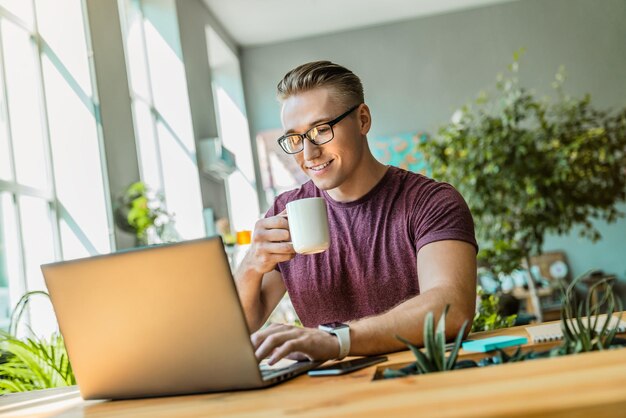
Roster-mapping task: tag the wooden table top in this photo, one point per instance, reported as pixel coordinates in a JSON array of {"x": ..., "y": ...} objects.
[{"x": 583, "y": 385}]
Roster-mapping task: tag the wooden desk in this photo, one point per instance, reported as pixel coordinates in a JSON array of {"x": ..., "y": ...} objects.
[{"x": 584, "y": 385}]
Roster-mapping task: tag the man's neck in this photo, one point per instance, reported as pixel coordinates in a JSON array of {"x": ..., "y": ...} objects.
[{"x": 365, "y": 177}]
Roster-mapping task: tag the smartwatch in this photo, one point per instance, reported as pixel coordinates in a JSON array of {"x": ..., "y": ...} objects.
[{"x": 342, "y": 332}]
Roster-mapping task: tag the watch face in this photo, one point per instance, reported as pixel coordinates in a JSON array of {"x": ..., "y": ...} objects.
[{"x": 335, "y": 325}]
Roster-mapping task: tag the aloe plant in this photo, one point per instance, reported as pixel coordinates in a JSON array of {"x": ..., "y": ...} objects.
[
  {"x": 582, "y": 335},
  {"x": 433, "y": 359},
  {"x": 32, "y": 363}
]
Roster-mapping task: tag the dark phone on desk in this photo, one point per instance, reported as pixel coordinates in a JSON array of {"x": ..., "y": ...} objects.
[{"x": 347, "y": 366}]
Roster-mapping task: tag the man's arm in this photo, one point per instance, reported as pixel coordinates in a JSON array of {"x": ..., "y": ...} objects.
[
  {"x": 260, "y": 287},
  {"x": 259, "y": 296},
  {"x": 447, "y": 275}
]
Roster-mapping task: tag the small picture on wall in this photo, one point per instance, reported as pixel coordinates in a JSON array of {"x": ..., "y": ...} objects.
[{"x": 400, "y": 150}]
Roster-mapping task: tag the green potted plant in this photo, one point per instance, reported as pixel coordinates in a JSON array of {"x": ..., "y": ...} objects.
[
  {"x": 582, "y": 326},
  {"x": 530, "y": 166},
  {"x": 141, "y": 211},
  {"x": 32, "y": 363},
  {"x": 433, "y": 358}
]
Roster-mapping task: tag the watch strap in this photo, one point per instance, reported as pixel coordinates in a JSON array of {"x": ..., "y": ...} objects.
[{"x": 343, "y": 338}]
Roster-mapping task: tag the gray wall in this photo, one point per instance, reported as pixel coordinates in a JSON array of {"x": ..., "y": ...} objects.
[{"x": 417, "y": 72}]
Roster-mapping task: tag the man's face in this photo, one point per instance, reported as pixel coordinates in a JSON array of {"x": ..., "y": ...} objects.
[{"x": 331, "y": 164}]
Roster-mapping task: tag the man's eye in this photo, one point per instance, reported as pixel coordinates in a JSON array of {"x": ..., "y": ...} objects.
[
  {"x": 312, "y": 133},
  {"x": 294, "y": 140},
  {"x": 322, "y": 130}
]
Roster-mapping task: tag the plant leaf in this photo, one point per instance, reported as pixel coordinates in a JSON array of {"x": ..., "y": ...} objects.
[
  {"x": 440, "y": 339},
  {"x": 455, "y": 348},
  {"x": 429, "y": 342}
]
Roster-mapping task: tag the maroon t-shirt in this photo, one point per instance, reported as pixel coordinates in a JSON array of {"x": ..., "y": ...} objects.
[{"x": 371, "y": 265}]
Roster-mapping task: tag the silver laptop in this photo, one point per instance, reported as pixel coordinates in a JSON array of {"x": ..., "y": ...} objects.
[{"x": 157, "y": 321}]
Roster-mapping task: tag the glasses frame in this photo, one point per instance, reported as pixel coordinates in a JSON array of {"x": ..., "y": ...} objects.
[{"x": 306, "y": 135}]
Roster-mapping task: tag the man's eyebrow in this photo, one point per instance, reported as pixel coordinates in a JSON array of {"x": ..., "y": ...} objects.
[{"x": 312, "y": 124}]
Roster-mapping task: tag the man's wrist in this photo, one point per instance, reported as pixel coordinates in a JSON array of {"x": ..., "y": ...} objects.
[
  {"x": 248, "y": 270},
  {"x": 336, "y": 344}
]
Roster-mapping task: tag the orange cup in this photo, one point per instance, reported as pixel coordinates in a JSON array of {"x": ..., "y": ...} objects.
[{"x": 244, "y": 237}]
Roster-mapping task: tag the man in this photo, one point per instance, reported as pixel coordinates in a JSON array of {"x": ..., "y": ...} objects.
[{"x": 401, "y": 244}]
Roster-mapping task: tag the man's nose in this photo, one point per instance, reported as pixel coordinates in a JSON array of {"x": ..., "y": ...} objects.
[{"x": 311, "y": 151}]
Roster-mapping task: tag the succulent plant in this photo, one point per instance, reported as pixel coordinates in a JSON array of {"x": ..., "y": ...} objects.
[
  {"x": 583, "y": 329},
  {"x": 433, "y": 358}
]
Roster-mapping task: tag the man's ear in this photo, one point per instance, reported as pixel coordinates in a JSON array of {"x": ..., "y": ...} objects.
[{"x": 365, "y": 119}]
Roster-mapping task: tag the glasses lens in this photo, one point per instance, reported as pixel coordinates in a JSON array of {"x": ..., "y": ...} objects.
[
  {"x": 321, "y": 133},
  {"x": 292, "y": 143}
]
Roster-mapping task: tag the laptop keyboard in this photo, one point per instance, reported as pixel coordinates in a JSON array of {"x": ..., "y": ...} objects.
[
  {"x": 280, "y": 365},
  {"x": 269, "y": 373},
  {"x": 265, "y": 371}
]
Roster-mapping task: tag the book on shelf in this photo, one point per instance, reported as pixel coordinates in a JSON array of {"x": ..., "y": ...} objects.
[{"x": 552, "y": 331}]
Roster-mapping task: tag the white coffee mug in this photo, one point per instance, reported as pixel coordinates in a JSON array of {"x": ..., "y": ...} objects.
[{"x": 308, "y": 225}]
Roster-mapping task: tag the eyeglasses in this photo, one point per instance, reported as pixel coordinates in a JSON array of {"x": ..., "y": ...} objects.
[{"x": 318, "y": 135}]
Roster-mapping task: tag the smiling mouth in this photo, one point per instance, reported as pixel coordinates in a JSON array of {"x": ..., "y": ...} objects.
[{"x": 321, "y": 166}]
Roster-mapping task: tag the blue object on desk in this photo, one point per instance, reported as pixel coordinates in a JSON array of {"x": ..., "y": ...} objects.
[{"x": 493, "y": 343}]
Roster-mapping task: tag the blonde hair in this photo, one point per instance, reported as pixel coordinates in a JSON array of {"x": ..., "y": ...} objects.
[{"x": 346, "y": 85}]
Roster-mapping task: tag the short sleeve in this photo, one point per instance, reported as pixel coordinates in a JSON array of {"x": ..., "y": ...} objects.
[{"x": 442, "y": 214}]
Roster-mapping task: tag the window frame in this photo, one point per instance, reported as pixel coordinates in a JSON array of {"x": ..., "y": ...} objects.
[{"x": 12, "y": 187}]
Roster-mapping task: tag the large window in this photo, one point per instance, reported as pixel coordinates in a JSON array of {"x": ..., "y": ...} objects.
[
  {"x": 233, "y": 131},
  {"x": 52, "y": 193},
  {"x": 161, "y": 113}
]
